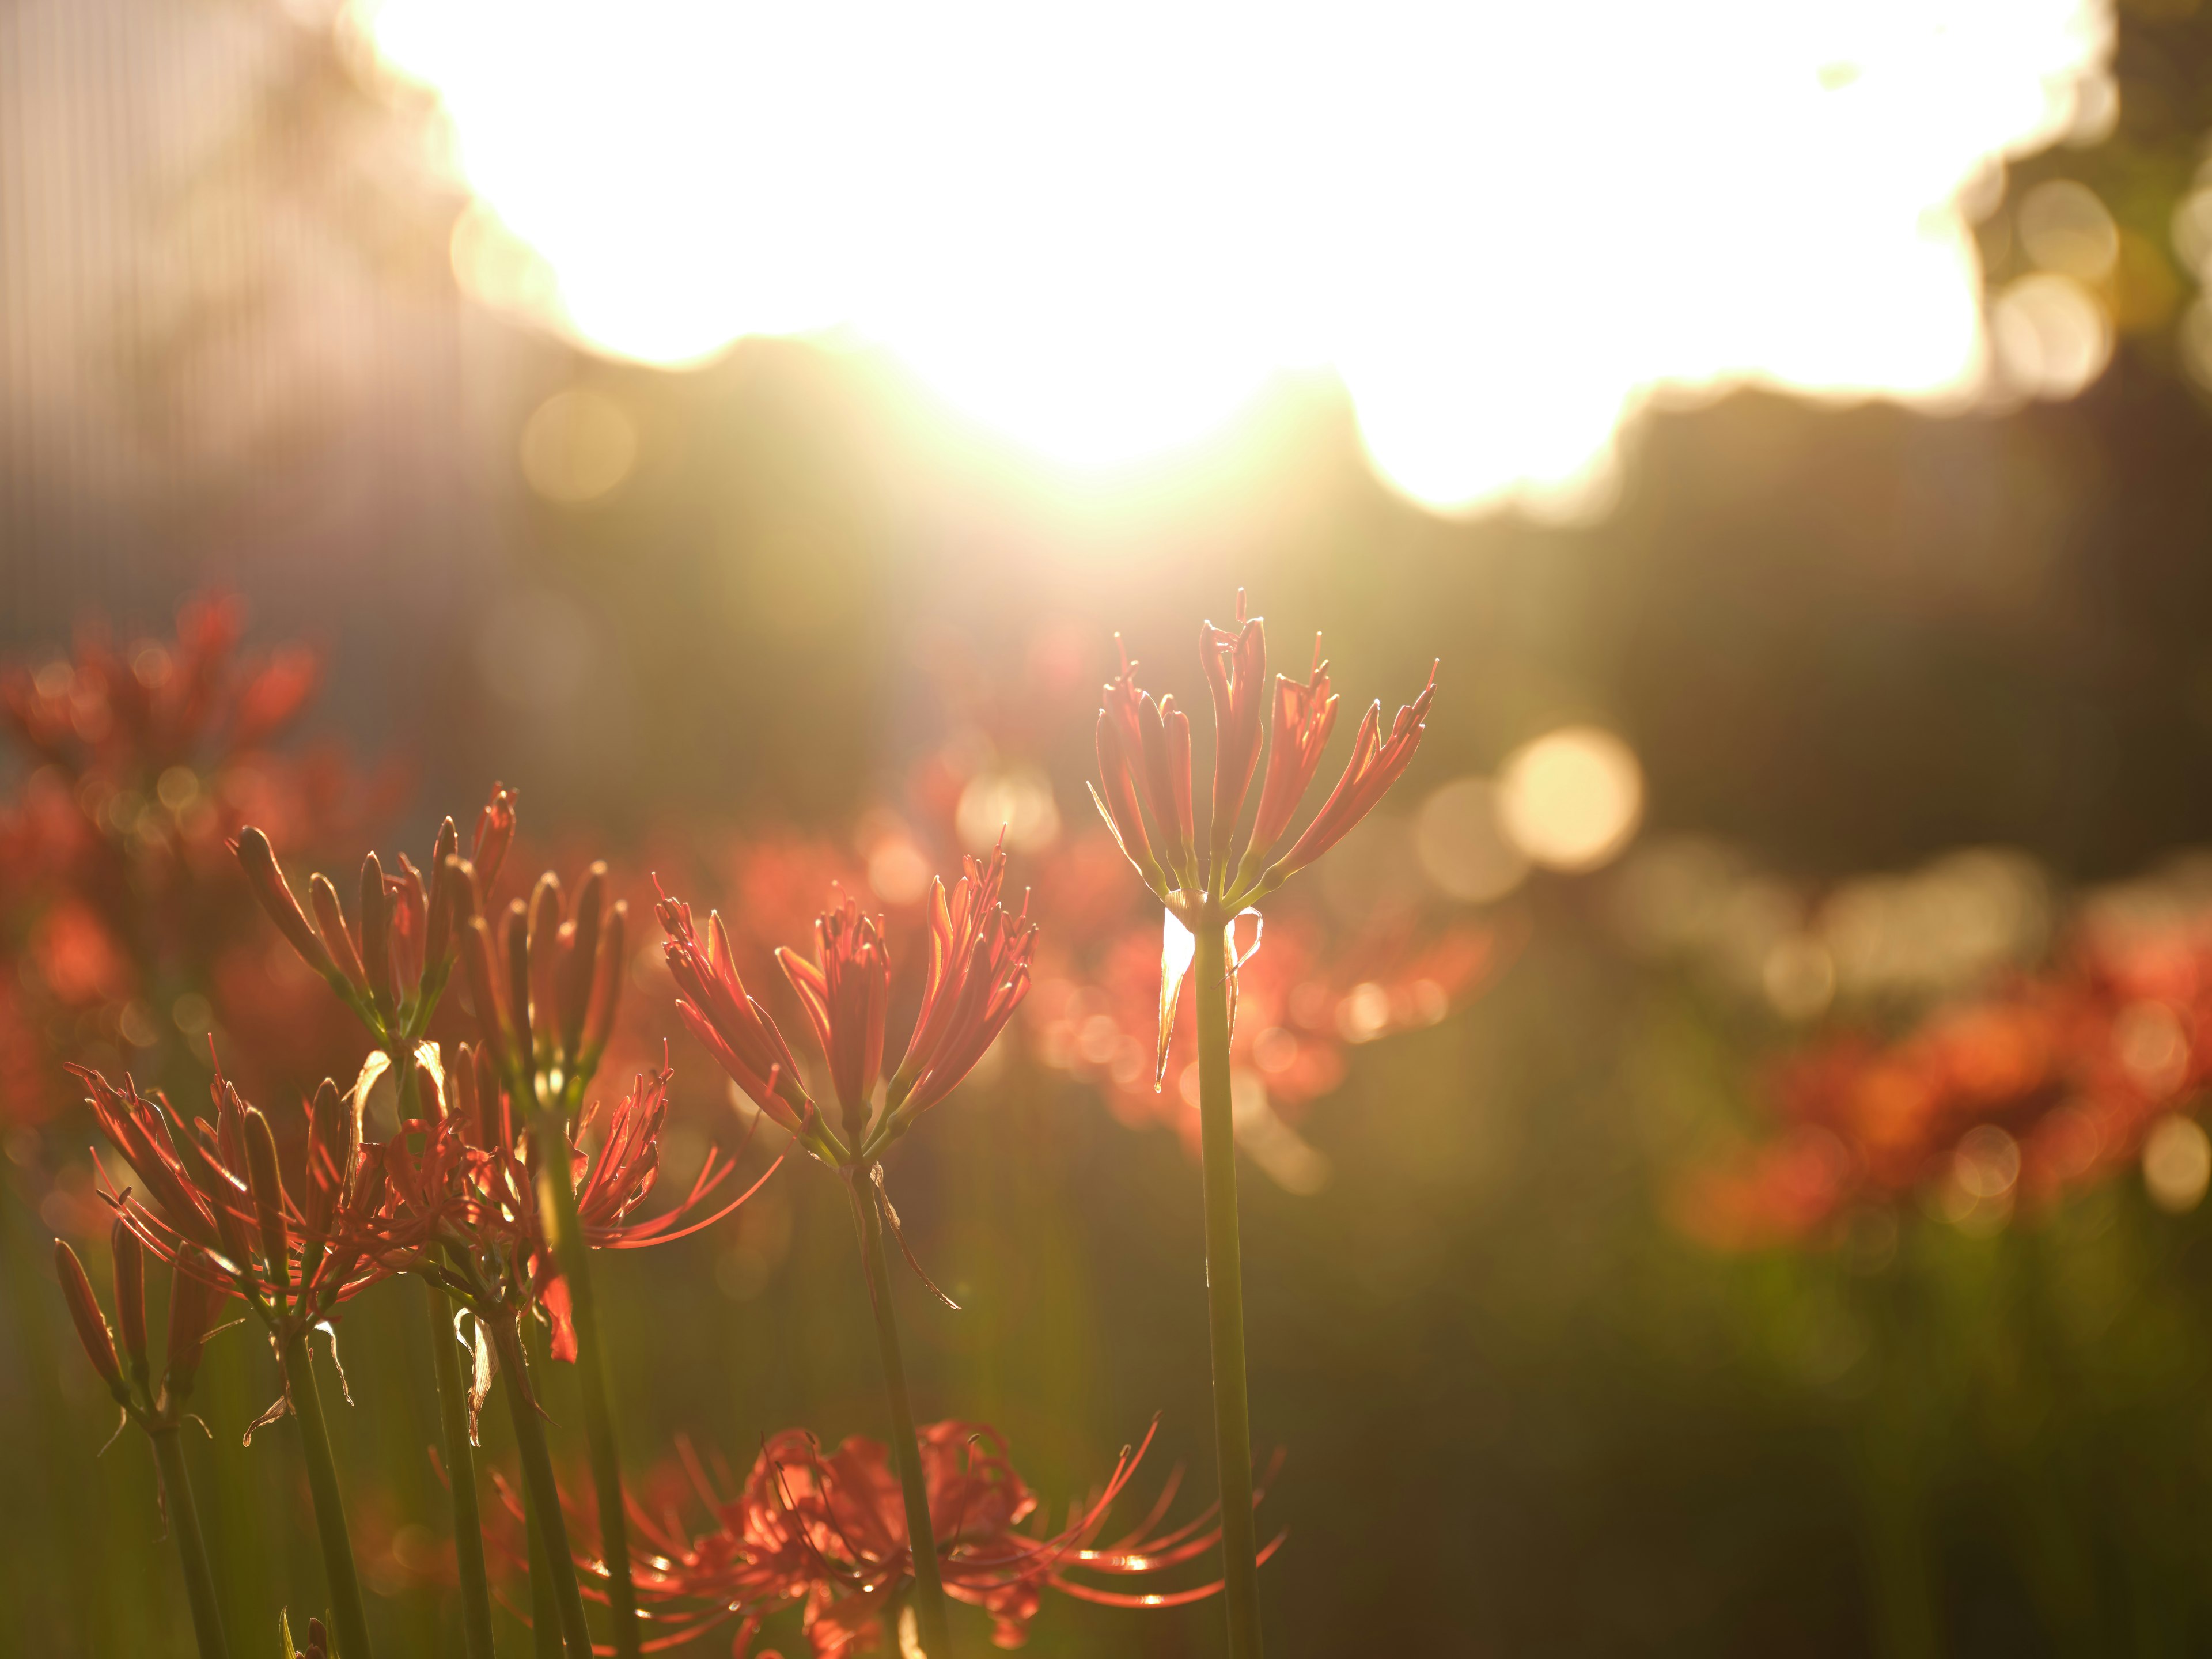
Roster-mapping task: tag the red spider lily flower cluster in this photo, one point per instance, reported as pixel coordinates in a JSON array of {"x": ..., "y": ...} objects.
[
  {"x": 2018, "y": 1097},
  {"x": 152, "y": 1402},
  {"x": 1145, "y": 770},
  {"x": 391, "y": 963},
  {"x": 978, "y": 974},
  {"x": 226, "y": 1215},
  {"x": 468, "y": 1180},
  {"x": 546, "y": 990},
  {"x": 827, "y": 1535}
]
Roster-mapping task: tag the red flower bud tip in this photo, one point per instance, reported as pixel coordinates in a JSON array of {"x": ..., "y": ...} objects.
[
  {"x": 495, "y": 835},
  {"x": 376, "y": 936},
  {"x": 1236, "y": 667},
  {"x": 330, "y": 917},
  {"x": 192, "y": 1298},
  {"x": 578, "y": 961},
  {"x": 267, "y": 1187},
  {"x": 845, "y": 994},
  {"x": 477, "y": 960},
  {"x": 1377, "y": 763},
  {"x": 451, "y": 904},
  {"x": 333, "y": 1149},
  {"x": 1127, "y": 789},
  {"x": 91, "y": 1325},
  {"x": 259, "y": 860},
  {"x": 517, "y": 981},
  {"x": 606, "y": 981},
  {"x": 130, "y": 1293}
]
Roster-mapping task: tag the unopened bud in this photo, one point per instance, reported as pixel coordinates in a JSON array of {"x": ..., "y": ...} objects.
[
  {"x": 259, "y": 860},
  {"x": 376, "y": 934},
  {"x": 191, "y": 1310},
  {"x": 579, "y": 962},
  {"x": 91, "y": 1325},
  {"x": 517, "y": 981},
  {"x": 484, "y": 984},
  {"x": 329, "y": 916},
  {"x": 607, "y": 982},
  {"x": 494, "y": 834},
  {"x": 268, "y": 1190},
  {"x": 130, "y": 1293}
]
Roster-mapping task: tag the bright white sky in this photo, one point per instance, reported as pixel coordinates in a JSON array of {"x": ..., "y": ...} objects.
[{"x": 1101, "y": 229}]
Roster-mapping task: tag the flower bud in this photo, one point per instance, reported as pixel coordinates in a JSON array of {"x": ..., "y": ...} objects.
[
  {"x": 259, "y": 860},
  {"x": 329, "y": 916},
  {"x": 517, "y": 981},
  {"x": 376, "y": 935},
  {"x": 484, "y": 985},
  {"x": 91, "y": 1325},
  {"x": 192, "y": 1310},
  {"x": 446, "y": 878},
  {"x": 578, "y": 966},
  {"x": 268, "y": 1189},
  {"x": 494, "y": 834},
  {"x": 130, "y": 1293},
  {"x": 606, "y": 982}
]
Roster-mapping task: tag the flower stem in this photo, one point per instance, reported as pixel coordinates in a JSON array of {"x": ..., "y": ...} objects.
[
  {"x": 542, "y": 1495},
  {"x": 1225, "y": 1295},
  {"x": 348, "y": 1611},
  {"x": 191, "y": 1547},
  {"x": 928, "y": 1584},
  {"x": 461, "y": 1477},
  {"x": 545, "y": 1606},
  {"x": 573, "y": 1252}
]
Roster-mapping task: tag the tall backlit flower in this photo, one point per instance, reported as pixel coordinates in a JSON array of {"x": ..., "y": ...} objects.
[
  {"x": 1145, "y": 786},
  {"x": 978, "y": 974}
]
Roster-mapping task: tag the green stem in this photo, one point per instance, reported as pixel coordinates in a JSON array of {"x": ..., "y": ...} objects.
[
  {"x": 191, "y": 1548},
  {"x": 573, "y": 1252},
  {"x": 922, "y": 1539},
  {"x": 542, "y": 1492},
  {"x": 348, "y": 1612},
  {"x": 1224, "y": 1296},
  {"x": 545, "y": 1606},
  {"x": 461, "y": 1477}
]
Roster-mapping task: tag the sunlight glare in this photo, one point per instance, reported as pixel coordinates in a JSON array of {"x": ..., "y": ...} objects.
[{"x": 1101, "y": 231}]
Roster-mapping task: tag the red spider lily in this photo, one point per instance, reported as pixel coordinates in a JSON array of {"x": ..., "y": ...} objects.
[
  {"x": 978, "y": 974},
  {"x": 1143, "y": 763},
  {"x": 226, "y": 1217},
  {"x": 828, "y": 1535},
  {"x": 467, "y": 1180},
  {"x": 2059, "y": 1078},
  {"x": 391, "y": 965},
  {"x": 546, "y": 988}
]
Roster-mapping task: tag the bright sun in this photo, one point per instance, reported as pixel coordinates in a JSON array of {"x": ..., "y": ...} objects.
[{"x": 1101, "y": 228}]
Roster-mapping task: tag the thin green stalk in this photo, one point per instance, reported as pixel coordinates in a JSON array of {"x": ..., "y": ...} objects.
[
  {"x": 557, "y": 1199},
  {"x": 922, "y": 1539},
  {"x": 545, "y": 1606},
  {"x": 1224, "y": 1296},
  {"x": 461, "y": 1477},
  {"x": 191, "y": 1548},
  {"x": 542, "y": 1492},
  {"x": 348, "y": 1611}
]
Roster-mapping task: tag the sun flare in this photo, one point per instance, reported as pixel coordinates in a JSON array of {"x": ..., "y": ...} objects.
[{"x": 1101, "y": 230}]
